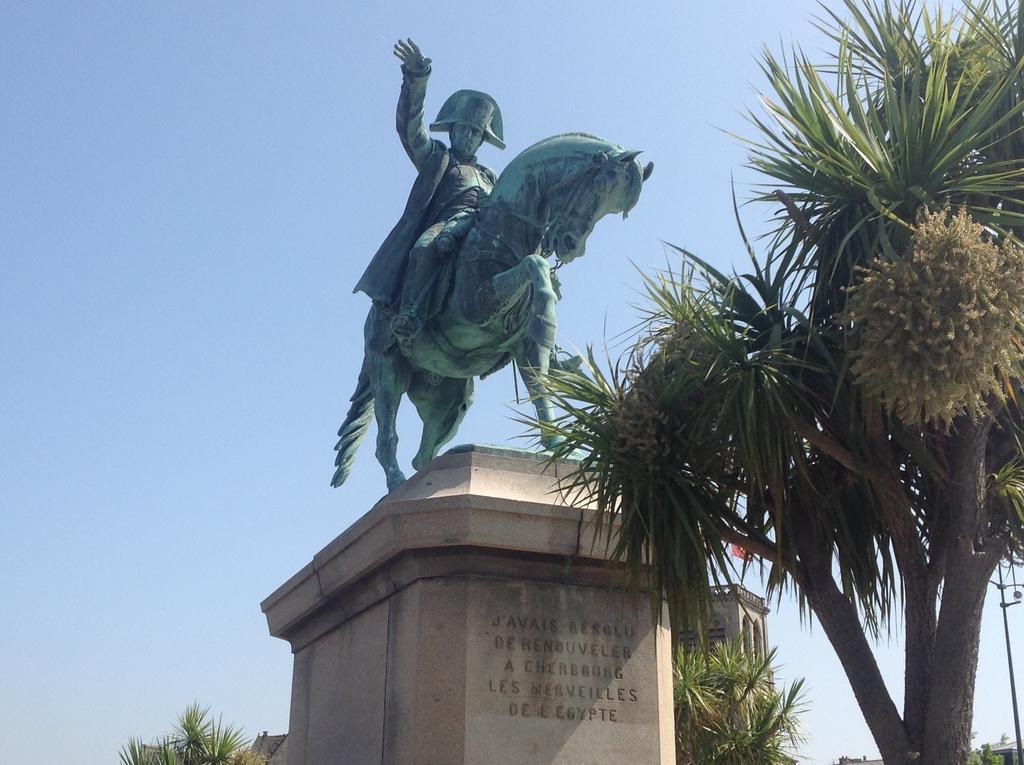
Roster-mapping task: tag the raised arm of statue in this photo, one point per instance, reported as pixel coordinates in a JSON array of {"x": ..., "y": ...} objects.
[{"x": 409, "y": 117}]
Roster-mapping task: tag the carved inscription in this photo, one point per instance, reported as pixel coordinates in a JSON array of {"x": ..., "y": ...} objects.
[{"x": 562, "y": 668}]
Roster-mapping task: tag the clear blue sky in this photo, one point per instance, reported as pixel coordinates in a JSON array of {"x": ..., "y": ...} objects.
[{"x": 189, "y": 191}]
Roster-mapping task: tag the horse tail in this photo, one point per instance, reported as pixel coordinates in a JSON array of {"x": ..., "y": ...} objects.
[{"x": 352, "y": 430}]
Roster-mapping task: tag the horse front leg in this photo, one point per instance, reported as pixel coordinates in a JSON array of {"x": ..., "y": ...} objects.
[
  {"x": 534, "y": 358},
  {"x": 497, "y": 296},
  {"x": 533, "y": 365}
]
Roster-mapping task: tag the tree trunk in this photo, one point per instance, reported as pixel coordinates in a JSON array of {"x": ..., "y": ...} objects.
[
  {"x": 950, "y": 709},
  {"x": 947, "y": 735},
  {"x": 841, "y": 623},
  {"x": 919, "y": 610}
]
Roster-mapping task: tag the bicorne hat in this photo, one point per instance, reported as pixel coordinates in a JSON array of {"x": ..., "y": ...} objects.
[{"x": 475, "y": 108}]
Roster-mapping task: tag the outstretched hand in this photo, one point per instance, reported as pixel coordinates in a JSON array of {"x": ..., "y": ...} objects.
[{"x": 411, "y": 57}]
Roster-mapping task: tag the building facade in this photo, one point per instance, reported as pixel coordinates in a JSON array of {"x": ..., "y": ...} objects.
[{"x": 736, "y": 614}]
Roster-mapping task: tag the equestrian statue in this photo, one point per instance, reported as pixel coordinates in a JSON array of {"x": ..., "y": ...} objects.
[{"x": 463, "y": 285}]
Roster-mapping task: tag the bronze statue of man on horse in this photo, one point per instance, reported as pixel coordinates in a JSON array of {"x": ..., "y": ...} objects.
[{"x": 462, "y": 284}]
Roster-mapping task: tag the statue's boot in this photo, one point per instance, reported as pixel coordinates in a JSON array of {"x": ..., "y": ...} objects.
[{"x": 419, "y": 281}]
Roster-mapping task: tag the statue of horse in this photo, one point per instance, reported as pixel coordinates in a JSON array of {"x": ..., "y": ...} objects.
[{"x": 501, "y": 300}]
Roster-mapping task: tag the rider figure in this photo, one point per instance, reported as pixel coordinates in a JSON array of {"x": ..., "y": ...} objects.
[{"x": 410, "y": 272}]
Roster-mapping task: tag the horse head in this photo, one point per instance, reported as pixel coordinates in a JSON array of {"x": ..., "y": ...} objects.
[
  {"x": 609, "y": 181},
  {"x": 561, "y": 186}
]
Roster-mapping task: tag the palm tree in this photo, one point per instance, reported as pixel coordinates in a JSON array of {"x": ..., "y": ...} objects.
[
  {"x": 847, "y": 409},
  {"x": 728, "y": 710},
  {"x": 196, "y": 739}
]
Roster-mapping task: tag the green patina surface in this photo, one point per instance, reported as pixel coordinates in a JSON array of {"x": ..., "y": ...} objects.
[{"x": 463, "y": 284}]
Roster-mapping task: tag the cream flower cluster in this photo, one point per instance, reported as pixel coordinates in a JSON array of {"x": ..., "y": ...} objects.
[{"x": 938, "y": 330}]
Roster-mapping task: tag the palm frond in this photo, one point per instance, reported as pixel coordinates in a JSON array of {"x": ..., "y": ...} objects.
[
  {"x": 913, "y": 119},
  {"x": 728, "y": 709}
]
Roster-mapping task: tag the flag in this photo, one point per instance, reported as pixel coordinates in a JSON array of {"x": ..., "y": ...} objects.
[{"x": 738, "y": 552}]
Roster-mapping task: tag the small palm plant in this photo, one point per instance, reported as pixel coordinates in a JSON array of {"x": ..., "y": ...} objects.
[
  {"x": 196, "y": 739},
  {"x": 729, "y": 711}
]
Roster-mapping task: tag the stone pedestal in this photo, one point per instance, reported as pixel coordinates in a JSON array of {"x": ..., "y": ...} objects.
[{"x": 466, "y": 620}]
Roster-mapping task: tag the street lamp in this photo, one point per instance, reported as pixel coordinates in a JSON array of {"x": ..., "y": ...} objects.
[{"x": 1017, "y": 595}]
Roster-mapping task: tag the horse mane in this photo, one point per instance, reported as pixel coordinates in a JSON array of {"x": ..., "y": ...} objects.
[
  {"x": 569, "y": 134},
  {"x": 571, "y": 147}
]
